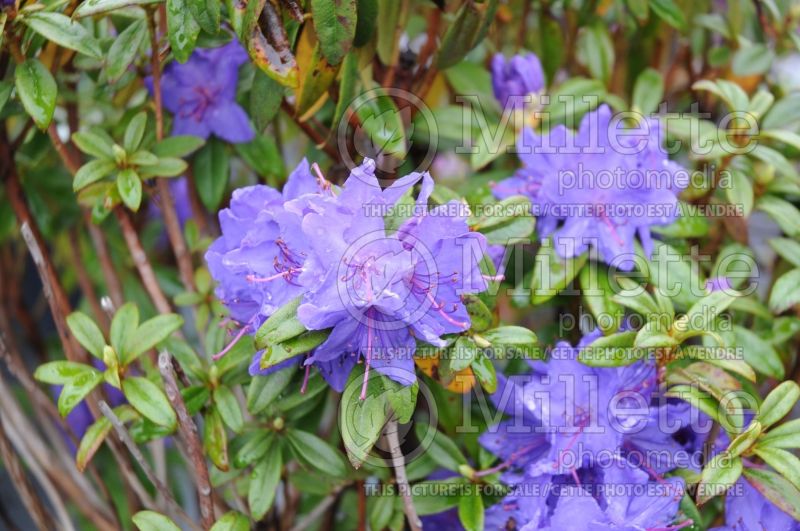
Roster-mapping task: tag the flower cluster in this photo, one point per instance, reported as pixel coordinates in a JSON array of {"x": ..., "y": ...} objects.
[
  {"x": 376, "y": 291},
  {"x": 597, "y": 186},
  {"x": 201, "y": 94},
  {"x": 586, "y": 448}
]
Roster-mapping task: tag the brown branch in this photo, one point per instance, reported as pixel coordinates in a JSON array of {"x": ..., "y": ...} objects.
[
  {"x": 53, "y": 290},
  {"x": 398, "y": 463},
  {"x": 125, "y": 437},
  {"x": 87, "y": 287},
  {"x": 20, "y": 481},
  {"x": 188, "y": 431},
  {"x": 182, "y": 255},
  {"x": 106, "y": 264},
  {"x": 316, "y": 137},
  {"x": 141, "y": 262}
]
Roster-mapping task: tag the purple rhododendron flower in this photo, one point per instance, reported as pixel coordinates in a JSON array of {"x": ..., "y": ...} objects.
[
  {"x": 615, "y": 496},
  {"x": 377, "y": 292},
  {"x": 516, "y": 77},
  {"x": 718, "y": 284},
  {"x": 597, "y": 186},
  {"x": 575, "y": 432},
  {"x": 747, "y": 509},
  {"x": 201, "y": 94}
]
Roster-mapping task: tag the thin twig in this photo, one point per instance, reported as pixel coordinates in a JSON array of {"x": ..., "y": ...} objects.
[
  {"x": 20, "y": 481},
  {"x": 188, "y": 431},
  {"x": 314, "y": 135},
  {"x": 141, "y": 262},
  {"x": 182, "y": 255},
  {"x": 125, "y": 437},
  {"x": 398, "y": 463},
  {"x": 309, "y": 519},
  {"x": 84, "y": 281}
]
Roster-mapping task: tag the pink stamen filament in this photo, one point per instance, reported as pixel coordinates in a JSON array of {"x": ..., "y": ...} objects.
[
  {"x": 440, "y": 309},
  {"x": 612, "y": 228},
  {"x": 230, "y": 345},
  {"x": 305, "y": 380},
  {"x": 367, "y": 356},
  {"x": 253, "y": 278},
  {"x": 505, "y": 464},
  {"x": 323, "y": 182}
]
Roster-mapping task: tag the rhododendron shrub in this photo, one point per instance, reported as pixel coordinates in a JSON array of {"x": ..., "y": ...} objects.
[{"x": 377, "y": 264}]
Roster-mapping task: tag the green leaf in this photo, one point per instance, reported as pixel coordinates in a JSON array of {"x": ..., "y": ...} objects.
[
  {"x": 129, "y": 186},
  {"x": 779, "y": 403},
  {"x": 464, "y": 33},
  {"x": 165, "y": 167},
  {"x": 64, "y": 31},
  {"x": 784, "y": 462},
  {"x": 611, "y": 351},
  {"x": 361, "y": 421},
  {"x": 91, "y": 172},
  {"x": 124, "y": 49},
  {"x": 96, "y": 434},
  {"x": 153, "y": 521},
  {"x": 669, "y": 12},
  {"x": 315, "y": 453},
  {"x": 470, "y": 510},
  {"x": 381, "y": 125},
  {"x": 143, "y": 158},
  {"x": 648, "y": 91},
  {"x": 61, "y": 372},
  {"x": 178, "y": 146},
  {"x": 149, "y": 334},
  {"x": 76, "y": 390},
  {"x": 149, "y": 400},
  {"x": 264, "y": 484},
  {"x": 215, "y": 439},
  {"x": 207, "y": 13},
  {"x": 37, "y": 91},
  {"x": 87, "y": 333},
  {"x": 94, "y": 144},
  {"x": 441, "y": 448},
  {"x": 551, "y": 273},
  {"x": 595, "y": 281},
  {"x": 389, "y": 18},
  {"x": 134, "y": 132},
  {"x": 701, "y": 316},
  {"x": 788, "y": 249},
  {"x": 335, "y": 22},
  {"x": 257, "y": 445},
  {"x": 292, "y": 347},
  {"x": 232, "y": 521},
  {"x": 752, "y": 60},
  {"x": 281, "y": 325},
  {"x": 228, "y": 408},
  {"x": 211, "y": 169},
  {"x": 182, "y": 28},
  {"x": 740, "y": 193},
  {"x": 511, "y": 341},
  {"x": 595, "y": 51},
  {"x": 123, "y": 327},
  {"x": 5, "y": 93},
  {"x": 718, "y": 475},
  {"x": 787, "y": 435},
  {"x": 95, "y": 7},
  {"x": 786, "y": 292},
  {"x": 263, "y": 390},
  {"x": 484, "y": 371},
  {"x": 776, "y": 489},
  {"x": 758, "y": 353},
  {"x": 481, "y": 317},
  {"x": 366, "y": 15},
  {"x": 742, "y": 442},
  {"x": 509, "y": 219},
  {"x": 785, "y": 214},
  {"x": 265, "y": 99},
  {"x": 732, "y": 94}
]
